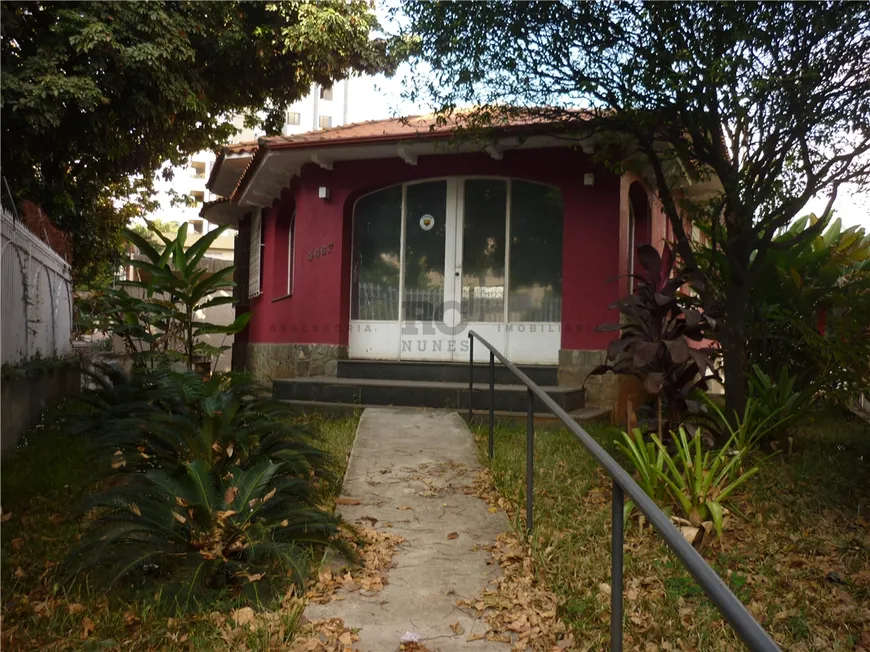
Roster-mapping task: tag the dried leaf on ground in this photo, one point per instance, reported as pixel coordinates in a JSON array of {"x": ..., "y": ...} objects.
[
  {"x": 243, "y": 616},
  {"x": 519, "y": 610},
  {"x": 328, "y": 635},
  {"x": 87, "y": 628},
  {"x": 376, "y": 555}
]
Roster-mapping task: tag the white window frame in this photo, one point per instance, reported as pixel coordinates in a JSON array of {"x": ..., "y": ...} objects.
[
  {"x": 291, "y": 254},
  {"x": 256, "y": 254}
]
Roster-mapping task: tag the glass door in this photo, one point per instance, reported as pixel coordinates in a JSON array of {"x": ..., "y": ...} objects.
[
  {"x": 481, "y": 246},
  {"x": 436, "y": 258},
  {"x": 429, "y": 316}
]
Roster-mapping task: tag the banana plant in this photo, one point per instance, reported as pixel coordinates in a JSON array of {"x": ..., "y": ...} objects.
[{"x": 177, "y": 290}]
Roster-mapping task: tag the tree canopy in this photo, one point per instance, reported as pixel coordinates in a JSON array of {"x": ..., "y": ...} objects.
[
  {"x": 763, "y": 105},
  {"x": 97, "y": 96}
]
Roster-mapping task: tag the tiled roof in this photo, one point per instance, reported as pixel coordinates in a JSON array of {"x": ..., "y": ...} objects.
[
  {"x": 419, "y": 127},
  {"x": 248, "y": 147},
  {"x": 390, "y": 128}
]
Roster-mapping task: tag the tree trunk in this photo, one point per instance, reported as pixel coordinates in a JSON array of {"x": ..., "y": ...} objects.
[{"x": 733, "y": 340}]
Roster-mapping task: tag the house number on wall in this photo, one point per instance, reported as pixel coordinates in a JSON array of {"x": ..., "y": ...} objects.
[{"x": 317, "y": 253}]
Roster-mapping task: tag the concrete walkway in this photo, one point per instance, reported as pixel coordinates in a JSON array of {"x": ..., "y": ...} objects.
[{"x": 408, "y": 467}]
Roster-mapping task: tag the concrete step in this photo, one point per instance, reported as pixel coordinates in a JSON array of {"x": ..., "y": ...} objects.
[
  {"x": 546, "y": 419},
  {"x": 370, "y": 391},
  {"x": 451, "y": 372}
]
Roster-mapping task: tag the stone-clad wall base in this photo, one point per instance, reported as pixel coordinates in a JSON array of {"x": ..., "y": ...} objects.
[
  {"x": 574, "y": 367},
  {"x": 267, "y": 362}
]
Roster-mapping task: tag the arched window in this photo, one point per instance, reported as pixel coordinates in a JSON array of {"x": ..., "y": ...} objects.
[{"x": 492, "y": 246}]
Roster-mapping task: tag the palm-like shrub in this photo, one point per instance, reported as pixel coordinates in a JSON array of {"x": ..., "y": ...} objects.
[
  {"x": 197, "y": 531},
  {"x": 649, "y": 462},
  {"x": 692, "y": 481},
  {"x": 214, "y": 486},
  {"x": 166, "y": 418}
]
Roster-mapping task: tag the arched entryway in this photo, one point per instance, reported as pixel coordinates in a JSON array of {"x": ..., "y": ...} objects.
[
  {"x": 639, "y": 226},
  {"x": 433, "y": 258}
]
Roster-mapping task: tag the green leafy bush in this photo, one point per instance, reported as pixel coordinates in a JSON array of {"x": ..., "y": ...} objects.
[
  {"x": 772, "y": 407},
  {"x": 158, "y": 321},
  {"x": 649, "y": 462},
  {"x": 780, "y": 397},
  {"x": 690, "y": 480},
  {"x": 809, "y": 307},
  {"x": 178, "y": 289},
  {"x": 211, "y": 487},
  {"x": 746, "y": 431}
]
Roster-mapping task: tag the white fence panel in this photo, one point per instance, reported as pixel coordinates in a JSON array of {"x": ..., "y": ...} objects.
[{"x": 36, "y": 296}]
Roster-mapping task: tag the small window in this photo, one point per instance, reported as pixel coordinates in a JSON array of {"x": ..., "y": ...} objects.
[
  {"x": 198, "y": 169},
  {"x": 198, "y": 196},
  {"x": 291, "y": 252},
  {"x": 326, "y": 93},
  {"x": 294, "y": 118},
  {"x": 325, "y": 121},
  {"x": 257, "y": 244},
  {"x": 197, "y": 226}
]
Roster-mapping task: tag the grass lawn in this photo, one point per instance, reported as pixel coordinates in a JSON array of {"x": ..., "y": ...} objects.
[
  {"x": 42, "y": 485},
  {"x": 796, "y": 549}
]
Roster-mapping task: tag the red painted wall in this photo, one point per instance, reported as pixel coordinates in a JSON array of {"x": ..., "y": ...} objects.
[{"x": 318, "y": 310}]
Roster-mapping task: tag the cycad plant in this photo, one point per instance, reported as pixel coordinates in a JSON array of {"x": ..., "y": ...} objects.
[
  {"x": 166, "y": 419},
  {"x": 214, "y": 487},
  {"x": 198, "y": 531}
]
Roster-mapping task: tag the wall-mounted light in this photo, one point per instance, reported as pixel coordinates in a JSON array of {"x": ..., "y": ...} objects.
[
  {"x": 323, "y": 192},
  {"x": 588, "y": 179}
]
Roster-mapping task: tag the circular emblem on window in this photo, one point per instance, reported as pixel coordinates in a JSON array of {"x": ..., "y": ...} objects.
[{"x": 427, "y": 222}]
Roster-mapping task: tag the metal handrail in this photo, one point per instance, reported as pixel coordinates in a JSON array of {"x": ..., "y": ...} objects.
[{"x": 747, "y": 628}]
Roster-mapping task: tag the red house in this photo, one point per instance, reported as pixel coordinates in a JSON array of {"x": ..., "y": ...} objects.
[{"x": 367, "y": 252}]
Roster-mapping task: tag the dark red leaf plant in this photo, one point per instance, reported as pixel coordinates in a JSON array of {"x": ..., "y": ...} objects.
[{"x": 661, "y": 336}]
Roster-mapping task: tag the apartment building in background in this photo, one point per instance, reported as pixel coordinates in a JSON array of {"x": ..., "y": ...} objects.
[{"x": 320, "y": 109}]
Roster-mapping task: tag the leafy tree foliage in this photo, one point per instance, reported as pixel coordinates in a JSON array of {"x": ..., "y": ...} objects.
[
  {"x": 809, "y": 314},
  {"x": 97, "y": 96},
  {"x": 758, "y": 106}
]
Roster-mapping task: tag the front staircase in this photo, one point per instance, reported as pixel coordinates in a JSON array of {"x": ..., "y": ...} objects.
[{"x": 363, "y": 383}]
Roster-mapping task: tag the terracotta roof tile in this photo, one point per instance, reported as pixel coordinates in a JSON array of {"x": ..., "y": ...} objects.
[
  {"x": 248, "y": 147},
  {"x": 387, "y": 130}
]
